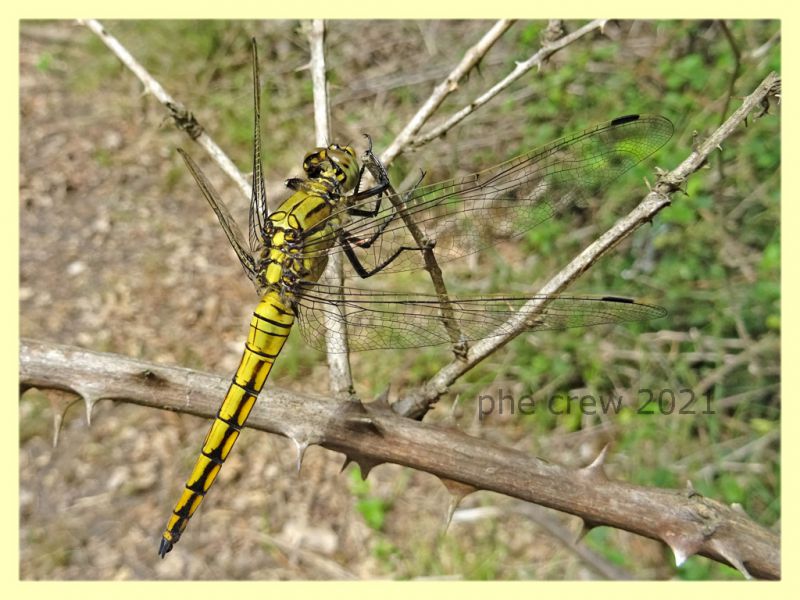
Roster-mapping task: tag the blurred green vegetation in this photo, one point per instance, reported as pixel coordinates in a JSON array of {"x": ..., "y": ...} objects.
[
  {"x": 372, "y": 508},
  {"x": 712, "y": 258}
]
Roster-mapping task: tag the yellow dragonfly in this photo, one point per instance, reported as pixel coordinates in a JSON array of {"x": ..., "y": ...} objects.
[{"x": 327, "y": 212}]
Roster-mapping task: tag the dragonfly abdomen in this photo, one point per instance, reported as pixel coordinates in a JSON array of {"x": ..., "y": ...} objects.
[{"x": 269, "y": 327}]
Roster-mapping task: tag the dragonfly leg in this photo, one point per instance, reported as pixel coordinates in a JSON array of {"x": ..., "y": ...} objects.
[
  {"x": 347, "y": 242},
  {"x": 376, "y": 190},
  {"x": 366, "y": 243}
]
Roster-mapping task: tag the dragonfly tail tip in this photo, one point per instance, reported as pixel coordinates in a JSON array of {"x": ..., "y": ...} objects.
[{"x": 165, "y": 547}]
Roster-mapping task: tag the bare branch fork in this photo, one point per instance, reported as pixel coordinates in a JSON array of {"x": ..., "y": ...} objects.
[
  {"x": 409, "y": 135},
  {"x": 372, "y": 434},
  {"x": 450, "y": 83},
  {"x": 549, "y": 47}
]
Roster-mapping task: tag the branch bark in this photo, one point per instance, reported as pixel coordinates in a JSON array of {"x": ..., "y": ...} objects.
[{"x": 373, "y": 434}]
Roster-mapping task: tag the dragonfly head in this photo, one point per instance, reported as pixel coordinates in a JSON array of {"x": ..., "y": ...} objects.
[{"x": 334, "y": 162}]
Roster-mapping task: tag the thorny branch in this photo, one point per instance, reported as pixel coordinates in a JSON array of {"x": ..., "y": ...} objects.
[{"x": 372, "y": 434}]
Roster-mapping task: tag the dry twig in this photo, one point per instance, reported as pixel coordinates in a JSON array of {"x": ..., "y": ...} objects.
[
  {"x": 339, "y": 374},
  {"x": 471, "y": 58}
]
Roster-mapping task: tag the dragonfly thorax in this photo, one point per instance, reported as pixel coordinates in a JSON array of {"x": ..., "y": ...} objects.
[{"x": 336, "y": 163}]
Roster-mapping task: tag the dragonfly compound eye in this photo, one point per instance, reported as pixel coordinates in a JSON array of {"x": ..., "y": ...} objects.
[
  {"x": 345, "y": 164},
  {"x": 315, "y": 162}
]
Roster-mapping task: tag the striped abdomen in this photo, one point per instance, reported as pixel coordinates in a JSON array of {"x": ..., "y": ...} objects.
[{"x": 269, "y": 328}]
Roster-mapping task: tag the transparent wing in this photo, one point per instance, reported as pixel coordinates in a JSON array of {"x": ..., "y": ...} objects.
[
  {"x": 467, "y": 214},
  {"x": 230, "y": 227},
  {"x": 390, "y": 320},
  {"x": 258, "y": 202}
]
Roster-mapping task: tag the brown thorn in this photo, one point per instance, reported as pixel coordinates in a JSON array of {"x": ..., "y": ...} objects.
[
  {"x": 356, "y": 415},
  {"x": 364, "y": 423},
  {"x": 682, "y": 547},
  {"x": 586, "y": 527},
  {"x": 60, "y": 401},
  {"x": 365, "y": 466},
  {"x": 382, "y": 399},
  {"x": 734, "y": 560},
  {"x": 458, "y": 491},
  {"x": 300, "y": 448},
  {"x": 450, "y": 421},
  {"x": 452, "y": 505},
  {"x": 680, "y": 555},
  {"x": 89, "y": 402},
  {"x": 596, "y": 468},
  {"x": 454, "y": 407}
]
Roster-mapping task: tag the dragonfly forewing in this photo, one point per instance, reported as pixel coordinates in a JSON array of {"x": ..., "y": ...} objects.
[
  {"x": 258, "y": 203},
  {"x": 467, "y": 214}
]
